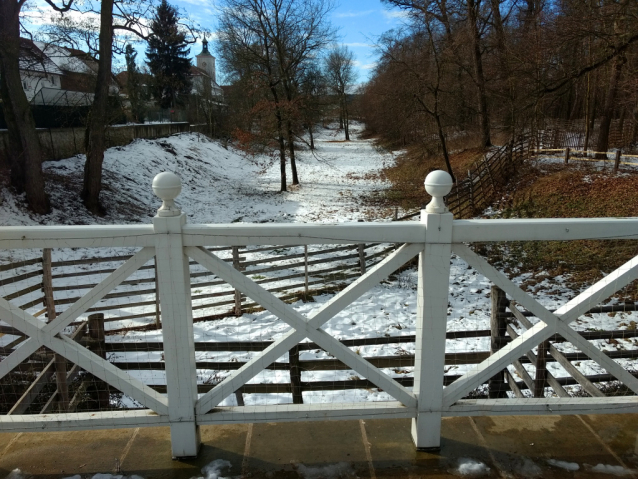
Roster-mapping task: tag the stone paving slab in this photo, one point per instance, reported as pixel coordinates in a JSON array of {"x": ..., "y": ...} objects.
[{"x": 508, "y": 447}]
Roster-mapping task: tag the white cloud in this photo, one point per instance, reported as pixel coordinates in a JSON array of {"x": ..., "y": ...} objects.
[
  {"x": 358, "y": 44},
  {"x": 395, "y": 14},
  {"x": 365, "y": 66},
  {"x": 353, "y": 14}
]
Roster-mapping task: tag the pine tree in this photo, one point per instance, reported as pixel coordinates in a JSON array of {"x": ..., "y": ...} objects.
[
  {"x": 168, "y": 57},
  {"x": 134, "y": 87}
]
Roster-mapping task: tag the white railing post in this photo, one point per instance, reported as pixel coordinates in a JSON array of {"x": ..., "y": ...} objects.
[
  {"x": 177, "y": 317},
  {"x": 432, "y": 301}
]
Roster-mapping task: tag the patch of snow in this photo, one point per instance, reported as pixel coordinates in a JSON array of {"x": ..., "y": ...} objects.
[
  {"x": 472, "y": 468},
  {"x": 609, "y": 469},
  {"x": 568, "y": 466},
  {"x": 528, "y": 468},
  {"x": 15, "y": 474},
  {"x": 213, "y": 470},
  {"x": 341, "y": 470}
]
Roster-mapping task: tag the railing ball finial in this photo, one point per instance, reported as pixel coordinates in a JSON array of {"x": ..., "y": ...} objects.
[
  {"x": 438, "y": 184},
  {"x": 167, "y": 186}
]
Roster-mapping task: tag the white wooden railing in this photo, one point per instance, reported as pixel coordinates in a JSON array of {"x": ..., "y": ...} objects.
[{"x": 434, "y": 238}]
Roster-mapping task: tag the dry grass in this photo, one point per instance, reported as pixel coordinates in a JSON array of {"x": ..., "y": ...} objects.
[
  {"x": 408, "y": 173},
  {"x": 572, "y": 192}
]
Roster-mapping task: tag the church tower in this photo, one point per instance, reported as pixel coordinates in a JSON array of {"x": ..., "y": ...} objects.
[{"x": 206, "y": 61}]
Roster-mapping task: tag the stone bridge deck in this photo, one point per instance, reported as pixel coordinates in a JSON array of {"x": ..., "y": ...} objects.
[{"x": 521, "y": 446}]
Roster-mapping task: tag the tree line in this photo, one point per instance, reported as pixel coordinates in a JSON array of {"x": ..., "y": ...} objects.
[
  {"x": 461, "y": 66},
  {"x": 110, "y": 29},
  {"x": 285, "y": 72}
]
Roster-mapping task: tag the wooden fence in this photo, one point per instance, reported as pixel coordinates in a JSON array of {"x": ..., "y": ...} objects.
[
  {"x": 306, "y": 272},
  {"x": 556, "y": 133},
  {"x": 485, "y": 178}
]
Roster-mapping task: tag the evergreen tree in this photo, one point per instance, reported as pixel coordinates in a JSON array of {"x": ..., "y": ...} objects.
[
  {"x": 134, "y": 87},
  {"x": 168, "y": 57}
]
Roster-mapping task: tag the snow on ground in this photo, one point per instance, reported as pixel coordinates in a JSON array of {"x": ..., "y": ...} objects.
[
  {"x": 225, "y": 185},
  {"x": 219, "y": 185},
  {"x": 472, "y": 468}
]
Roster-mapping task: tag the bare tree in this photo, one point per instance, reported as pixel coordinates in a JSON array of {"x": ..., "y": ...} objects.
[
  {"x": 25, "y": 155},
  {"x": 339, "y": 66},
  {"x": 119, "y": 22},
  {"x": 269, "y": 41}
]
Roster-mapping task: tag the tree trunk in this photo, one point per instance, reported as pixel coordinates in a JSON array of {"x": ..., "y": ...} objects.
[
  {"x": 312, "y": 138},
  {"x": 446, "y": 156},
  {"x": 291, "y": 150},
  {"x": 503, "y": 64},
  {"x": 608, "y": 110},
  {"x": 25, "y": 157},
  {"x": 478, "y": 71},
  {"x": 346, "y": 120},
  {"x": 96, "y": 126}
]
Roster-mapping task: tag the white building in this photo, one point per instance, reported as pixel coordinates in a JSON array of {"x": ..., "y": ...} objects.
[
  {"x": 203, "y": 75},
  {"x": 58, "y": 76},
  {"x": 37, "y": 71}
]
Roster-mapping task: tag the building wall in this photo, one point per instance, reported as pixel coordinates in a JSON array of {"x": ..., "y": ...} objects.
[{"x": 32, "y": 82}]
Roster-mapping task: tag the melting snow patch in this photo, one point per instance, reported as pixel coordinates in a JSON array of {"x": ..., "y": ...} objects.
[
  {"x": 213, "y": 470},
  {"x": 529, "y": 468},
  {"x": 609, "y": 469},
  {"x": 340, "y": 470},
  {"x": 568, "y": 466},
  {"x": 15, "y": 474},
  {"x": 470, "y": 467}
]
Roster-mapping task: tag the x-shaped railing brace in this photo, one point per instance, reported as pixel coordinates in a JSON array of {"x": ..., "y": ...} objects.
[
  {"x": 303, "y": 327},
  {"x": 551, "y": 323},
  {"x": 48, "y": 335}
]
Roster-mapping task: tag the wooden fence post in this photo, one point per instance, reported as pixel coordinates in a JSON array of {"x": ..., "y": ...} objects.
[
  {"x": 431, "y": 320},
  {"x": 362, "y": 258},
  {"x": 540, "y": 380},
  {"x": 295, "y": 375},
  {"x": 237, "y": 266},
  {"x": 49, "y": 302},
  {"x": 497, "y": 332},
  {"x": 97, "y": 339},
  {"x": 471, "y": 184},
  {"x": 617, "y": 160},
  {"x": 177, "y": 318},
  {"x": 567, "y": 155}
]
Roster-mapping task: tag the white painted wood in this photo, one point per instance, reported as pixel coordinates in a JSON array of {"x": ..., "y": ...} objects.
[
  {"x": 302, "y": 234},
  {"x": 431, "y": 325},
  {"x": 177, "y": 332},
  {"x": 73, "y": 312},
  {"x": 543, "y": 406},
  {"x": 81, "y": 421},
  {"x": 474, "y": 231},
  {"x": 81, "y": 356},
  {"x": 307, "y": 412},
  {"x": 372, "y": 277},
  {"x": 299, "y": 323},
  {"x": 557, "y": 322},
  {"x": 283, "y": 345},
  {"x": 93, "y": 236}
]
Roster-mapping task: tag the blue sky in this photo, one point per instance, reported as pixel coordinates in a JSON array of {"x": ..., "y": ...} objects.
[{"x": 360, "y": 22}]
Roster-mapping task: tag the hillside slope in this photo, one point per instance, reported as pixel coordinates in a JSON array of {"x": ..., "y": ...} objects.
[{"x": 219, "y": 185}]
